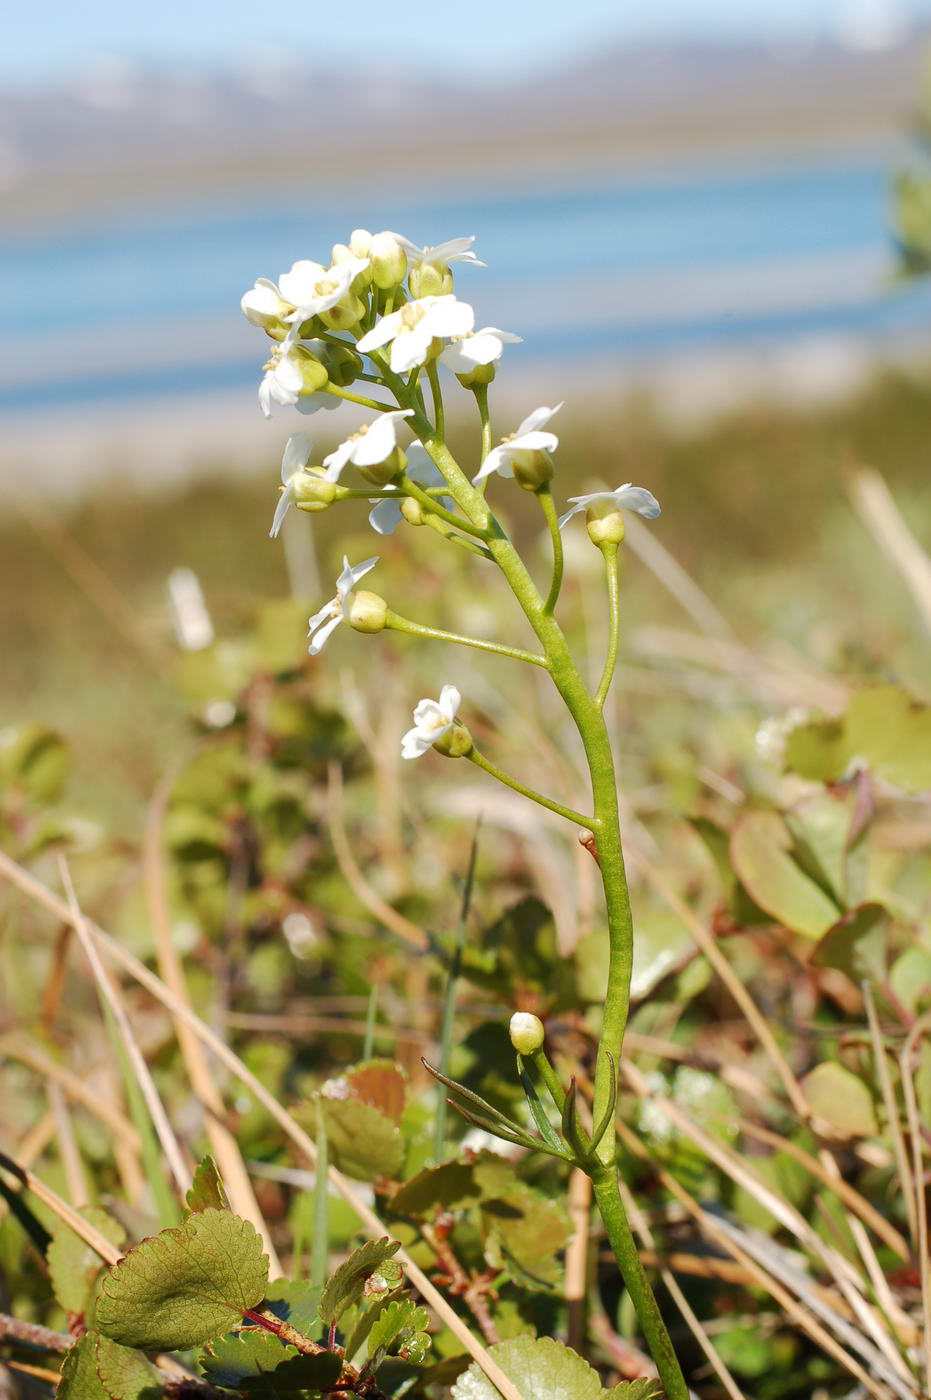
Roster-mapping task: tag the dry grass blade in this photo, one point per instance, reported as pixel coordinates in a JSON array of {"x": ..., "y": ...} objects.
[
  {"x": 77, "y": 1089},
  {"x": 575, "y": 1288},
  {"x": 892, "y": 1110},
  {"x": 380, "y": 909},
  {"x": 166, "y": 1137},
  {"x": 883, "y": 519},
  {"x": 228, "y": 1157},
  {"x": 98, "y": 1242},
  {"x": 915, "y": 1036},
  {"x": 34, "y": 888}
]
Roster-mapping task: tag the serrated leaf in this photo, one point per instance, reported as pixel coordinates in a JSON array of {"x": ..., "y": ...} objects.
[
  {"x": 856, "y": 944},
  {"x": 453, "y": 1185},
  {"x": 363, "y": 1143},
  {"x": 126, "y": 1374},
  {"x": 379, "y": 1083},
  {"x": 524, "y": 1232},
  {"x": 255, "y": 1362},
  {"x": 347, "y": 1285},
  {"x": 840, "y": 1100},
  {"x": 540, "y": 1367},
  {"x": 644, "y": 1389},
  {"x": 761, "y": 853},
  {"x": 363, "y": 1323},
  {"x": 185, "y": 1285},
  {"x": 73, "y": 1265},
  {"x": 79, "y": 1378},
  {"x": 206, "y": 1191},
  {"x": 401, "y": 1329}
]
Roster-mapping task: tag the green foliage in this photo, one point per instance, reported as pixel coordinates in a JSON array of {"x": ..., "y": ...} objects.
[
  {"x": 840, "y": 1100},
  {"x": 857, "y": 944},
  {"x": 761, "y": 850},
  {"x": 882, "y": 726},
  {"x": 206, "y": 1190},
  {"x": 79, "y": 1378},
  {"x": 544, "y": 1369},
  {"x": 368, "y": 1272},
  {"x": 519, "y": 963},
  {"x": 73, "y": 1266},
  {"x": 184, "y": 1285},
  {"x": 524, "y": 1232},
  {"x": 399, "y": 1330},
  {"x": 126, "y": 1374},
  {"x": 255, "y": 1362},
  {"x": 362, "y": 1142}
]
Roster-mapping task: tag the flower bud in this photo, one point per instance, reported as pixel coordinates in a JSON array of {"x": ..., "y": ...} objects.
[
  {"x": 342, "y": 254},
  {"x": 428, "y": 280},
  {"x": 532, "y": 469},
  {"x": 345, "y": 314},
  {"x": 388, "y": 261},
  {"x": 367, "y": 611},
  {"x": 263, "y": 306},
  {"x": 456, "y": 742},
  {"x": 381, "y": 473},
  {"x": 313, "y": 372},
  {"x": 526, "y": 1032},
  {"x": 605, "y": 523},
  {"x": 481, "y": 374},
  {"x": 414, "y": 512},
  {"x": 360, "y": 243},
  {"x": 312, "y": 491},
  {"x": 342, "y": 363}
]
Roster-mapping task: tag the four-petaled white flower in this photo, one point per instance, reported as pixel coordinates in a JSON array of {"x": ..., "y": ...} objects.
[
  {"x": 432, "y": 719},
  {"x": 369, "y": 446},
  {"x": 283, "y": 383},
  {"x": 263, "y": 304},
  {"x": 337, "y": 610},
  {"x": 387, "y": 515},
  {"x": 482, "y": 347},
  {"x": 528, "y": 438},
  {"x": 453, "y": 251},
  {"x": 311, "y": 288},
  {"x": 413, "y": 329},
  {"x": 626, "y": 497},
  {"x": 295, "y": 459}
]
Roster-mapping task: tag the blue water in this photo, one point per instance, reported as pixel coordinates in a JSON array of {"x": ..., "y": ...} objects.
[{"x": 575, "y": 270}]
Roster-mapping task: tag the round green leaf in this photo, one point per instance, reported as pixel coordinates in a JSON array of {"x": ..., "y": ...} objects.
[
  {"x": 73, "y": 1265},
  {"x": 761, "y": 853},
  {"x": 841, "y": 1100},
  {"x": 544, "y": 1369},
  {"x": 363, "y": 1143},
  {"x": 184, "y": 1285}
]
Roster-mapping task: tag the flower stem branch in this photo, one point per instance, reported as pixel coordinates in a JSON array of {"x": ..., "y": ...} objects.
[
  {"x": 545, "y": 496},
  {"x": 481, "y": 399},
  {"x": 610, "y": 552},
  {"x": 439, "y": 413},
  {"x": 480, "y": 761},
  {"x": 350, "y": 397},
  {"x": 432, "y": 505},
  {"x": 417, "y": 629}
]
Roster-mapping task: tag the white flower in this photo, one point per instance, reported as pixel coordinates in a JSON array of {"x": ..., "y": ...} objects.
[
  {"x": 337, "y": 610},
  {"x": 264, "y": 305},
  {"x": 295, "y": 459},
  {"x": 369, "y": 446},
  {"x": 312, "y": 288},
  {"x": 387, "y": 516},
  {"x": 482, "y": 347},
  {"x": 455, "y": 250},
  {"x": 432, "y": 719},
  {"x": 284, "y": 383},
  {"x": 528, "y": 438},
  {"x": 413, "y": 329},
  {"x": 626, "y": 497}
]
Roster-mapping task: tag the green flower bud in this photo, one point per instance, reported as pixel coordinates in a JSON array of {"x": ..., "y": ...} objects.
[
  {"x": 428, "y": 280},
  {"x": 389, "y": 261},
  {"x": 414, "y": 512},
  {"x": 381, "y": 473},
  {"x": 312, "y": 491},
  {"x": 605, "y": 523},
  {"x": 313, "y": 371},
  {"x": 526, "y": 1032},
  {"x": 367, "y": 611},
  {"x": 342, "y": 254},
  {"x": 343, "y": 365},
  {"x": 345, "y": 314},
  {"x": 456, "y": 742},
  {"x": 481, "y": 374},
  {"x": 532, "y": 469}
]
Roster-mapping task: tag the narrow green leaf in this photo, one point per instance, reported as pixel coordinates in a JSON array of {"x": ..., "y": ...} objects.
[{"x": 184, "y": 1285}]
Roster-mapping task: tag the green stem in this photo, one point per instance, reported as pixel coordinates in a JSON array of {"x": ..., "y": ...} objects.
[
  {"x": 416, "y": 629},
  {"x": 346, "y": 394},
  {"x": 439, "y": 413},
  {"x": 449, "y": 1000},
  {"x": 433, "y": 506},
  {"x": 611, "y": 1208},
  {"x": 480, "y": 761},
  {"x": 610, "y": 552},
  {"x": 481, "y": 399},
  {"x": 545, "y": 496},
  {"x": 463, "y": 541}
]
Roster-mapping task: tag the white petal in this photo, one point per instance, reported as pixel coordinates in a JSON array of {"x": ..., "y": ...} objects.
[
  {"x": 496, "y": 461},
  {"x": 413, "y": 745},
  {"x": 449, "y": 317},
  {"x": 296, "y": 455},
  {"x": 450, "y": 700},
  {"x": 330, "y": 609},
  {"x": 321, "y": 635},
  {"x": 421, "y": 466},
  {"x": 570, "y": 513},
  {"x": 535, "y": 442},
  {"x": 265, "y": 395},
  {"x": 410, "y": 349},
  {"x": 411, "y": 249},
  {"x": 298, "y": 286},
  {"x": 337, "y": 460},
  {"x": 281, "y": 510},
  {"x": 428, "y": 716},
  {"x": 358, "y": 571},
  {"x": 386, "y": 517},
  {"x": 508, "y": 337},
  {"x": 380, "y": 440},
  {"x": 386, "y": 329},
  {"x": 312, "y": 403},
  {"x": 537, "y": 418},
  {"x": 639, "y": 499}
]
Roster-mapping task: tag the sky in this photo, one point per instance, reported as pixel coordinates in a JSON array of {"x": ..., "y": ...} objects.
[{"x": 47, "y": 43}]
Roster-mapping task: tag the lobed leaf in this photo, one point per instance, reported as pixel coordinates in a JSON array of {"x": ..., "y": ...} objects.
[
  {"x": 347, "y": 1285},
  {"x": 185, "y": 1285}
]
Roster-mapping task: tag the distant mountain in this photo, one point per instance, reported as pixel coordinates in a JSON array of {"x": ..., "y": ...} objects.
[{"x": 124, "y": 133}]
